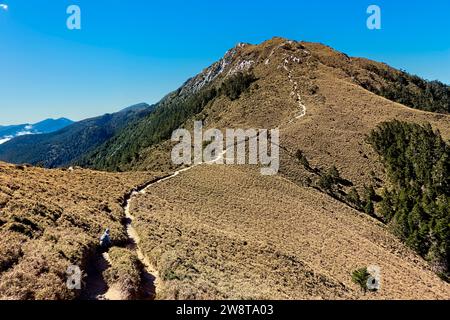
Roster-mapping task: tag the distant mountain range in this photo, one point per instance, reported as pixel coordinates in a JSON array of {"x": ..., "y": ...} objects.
[
  {"x": 47, "y": 126},
  {"x": 63, "y": 147}
]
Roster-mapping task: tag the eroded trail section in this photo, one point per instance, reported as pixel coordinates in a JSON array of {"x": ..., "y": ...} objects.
[
  {"x": 150, "y": 278},
  {"x": 151, "y": 283},
  {"x": 96, "y": 287}
]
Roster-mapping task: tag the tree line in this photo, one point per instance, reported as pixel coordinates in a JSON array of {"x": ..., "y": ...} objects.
[{"x": 417, "y": 202}]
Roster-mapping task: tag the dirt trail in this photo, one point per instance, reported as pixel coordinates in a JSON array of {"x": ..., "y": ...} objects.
[
  {"x": 150, "y": 278},
  {"x": 95, "y": 285},
  {"x": 295, "y": 92},
  {"x": 96, "y": 288}
]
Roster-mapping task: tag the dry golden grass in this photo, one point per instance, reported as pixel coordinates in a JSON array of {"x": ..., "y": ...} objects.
[
  {"x": 339, "y": 114},
  {"x": 50, "y": 219},
  {"x": 226, "y": 232},
  {"x": 222, "y": 232}
]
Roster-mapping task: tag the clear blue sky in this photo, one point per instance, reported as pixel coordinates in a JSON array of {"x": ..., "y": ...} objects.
[{"x": 137, "y": 51}]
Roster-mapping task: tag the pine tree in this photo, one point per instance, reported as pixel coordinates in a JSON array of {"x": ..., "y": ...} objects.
[
  {"x": 302, "y": 159},
  {"x": 353, "y": 197},
  {"x": 334, "y": 174},
  {"x": 369, "y": 208}
]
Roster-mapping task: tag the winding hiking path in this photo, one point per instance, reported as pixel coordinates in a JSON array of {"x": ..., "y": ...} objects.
[
  {"x": 96, "y": 286},
  {"x": 295, "y": 92}
]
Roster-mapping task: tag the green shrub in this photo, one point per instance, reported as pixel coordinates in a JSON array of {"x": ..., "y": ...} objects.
[
  {"x": 354, "y": 198},
  {"x": 235, "y": 85},
  {"x": 302, "y": 159},
  {"x": 330, "y": 179},
  {"x": 360, "y": 277}
]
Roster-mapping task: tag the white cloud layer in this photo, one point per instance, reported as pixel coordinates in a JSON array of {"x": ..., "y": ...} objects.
[{"x": 4, "y": 6}]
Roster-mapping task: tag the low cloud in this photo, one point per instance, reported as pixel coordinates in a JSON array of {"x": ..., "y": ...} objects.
[{"x": 3, "y": 6}]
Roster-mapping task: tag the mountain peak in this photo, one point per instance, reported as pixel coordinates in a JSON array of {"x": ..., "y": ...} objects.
[{"x": 136, "y": 107}]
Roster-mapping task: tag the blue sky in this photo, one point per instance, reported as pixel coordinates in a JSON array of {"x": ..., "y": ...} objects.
[{"x": 137, "y": 51}]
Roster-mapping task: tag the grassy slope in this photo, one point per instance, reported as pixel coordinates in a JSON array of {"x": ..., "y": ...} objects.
[
  {"x": 228, "y": 232},
  {"x": 211, "y": 239},
  {"x": 340, "y": 113},
  {"x": 50, "y": 219}
]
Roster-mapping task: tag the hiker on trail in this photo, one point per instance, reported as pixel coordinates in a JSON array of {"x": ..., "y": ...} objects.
[{"x": 105, "y": 240}]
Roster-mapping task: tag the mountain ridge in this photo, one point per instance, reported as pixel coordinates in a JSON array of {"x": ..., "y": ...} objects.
[
  {"x": 63, "y": 147},
  {"x": 49, "y": 125},
  {"x": 243, "y": 58},
  {"x": 226, "y": 231}
]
